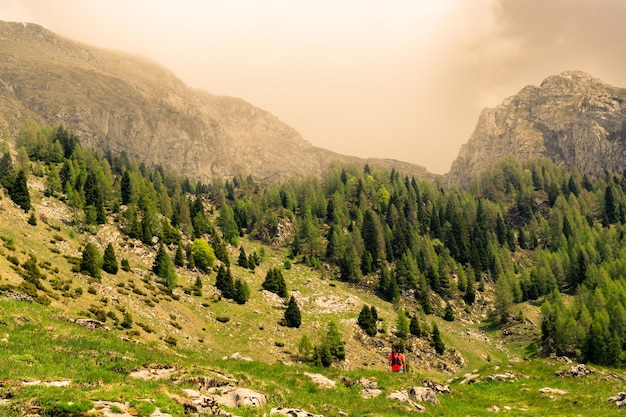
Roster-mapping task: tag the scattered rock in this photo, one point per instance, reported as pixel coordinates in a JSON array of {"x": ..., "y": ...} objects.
[
  {"x": 321, "y": 380},
  {"x": 619, "y": 400},
  {"x": 367, "y": 384},
  {"x": 153, "y": 373},
  {"x": 502, "y": 377},
  {"x": 204, "y": 383},
  {"x": 370, "y": 393},
  {"x": 237, "y": 397},
  {"x": 292, "y": 412},
  {"x": 89, "y": 323},
  {"x": 439, "y": 388},
  {"x": 403, "y": 397},
  {"x": 423, "y": 394},
  {"x": 200, "y": 404},
  {"x": 18, "y": 296},
  {"x": 237, "y": 356},
  {"x": 470, "y": 379},
  {"x": 547, "y": 390},
  {"x": 575, "y": 371}
]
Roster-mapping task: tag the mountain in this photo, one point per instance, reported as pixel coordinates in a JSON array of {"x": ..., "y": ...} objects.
[
  {"x": 572, "y": 118},
  {"x": 126, "y": 103}
]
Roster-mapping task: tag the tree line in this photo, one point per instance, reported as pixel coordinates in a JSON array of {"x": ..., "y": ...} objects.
[{"x": 536, "y": 231}]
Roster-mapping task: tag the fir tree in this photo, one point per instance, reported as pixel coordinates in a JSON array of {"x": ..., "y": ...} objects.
[
  {"x": 18, "y": 191},
  {"x": 163, "y": 267},
  {"x": 367, "y": 322},
  {"x": 90, "y": 263},
  {"x": 403, "y": 325},
  {"x": 243, "y": 258},
  {"x": 449, "y": 313},
  {"x": 334, "y": 342},
  {"x": 179, "y": 257},
  {"x": 224, "y": 282},
  {"x": 292, "y": 314},
  {"x": 436, "y": 341},
  {"x": 242, "y": 291},
  {"x": 275, "y": 282},
  {"x": 109, "y": 263},
  {"x": 414, "y": 327}
]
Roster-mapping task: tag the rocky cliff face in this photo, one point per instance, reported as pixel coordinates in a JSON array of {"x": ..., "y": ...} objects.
[
  {"x": 572, "y": 118},
  {"x": 127, "y": 103}
]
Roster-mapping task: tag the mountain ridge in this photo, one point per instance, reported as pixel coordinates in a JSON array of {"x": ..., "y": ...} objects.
[{"x": 128, "y": 103}]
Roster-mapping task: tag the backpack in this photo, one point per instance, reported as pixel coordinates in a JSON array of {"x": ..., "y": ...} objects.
[{"x": 395, "y": 359}]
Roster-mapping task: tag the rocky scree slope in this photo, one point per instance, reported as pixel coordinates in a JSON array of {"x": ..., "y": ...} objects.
[
  {"x": 572, "y": 118},
  {"x": 126, "y": 103}
]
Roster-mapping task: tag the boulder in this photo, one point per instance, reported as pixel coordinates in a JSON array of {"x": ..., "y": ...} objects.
[
  {"x": 292, "y": 412},
  {"x": 403, "y": 397},
  {"x": 370, "y": 393},
  {"x": 321, "y": 380},
  {"x": 423, "y": 394},
  {"x": 232, "y": 397}
]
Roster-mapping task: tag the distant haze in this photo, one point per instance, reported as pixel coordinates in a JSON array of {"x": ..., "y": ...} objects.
[{"x": 394, "y": 79}]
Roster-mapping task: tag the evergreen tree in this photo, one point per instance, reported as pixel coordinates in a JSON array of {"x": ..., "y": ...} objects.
[
  {"x": 436, "y": 341},
  {"x": 163, "y": 268},
  {"x": 109, "y": 263},
  {"x": 334, "y": 342},
  {"x": 179, "y": 257},
  {"x": 415, "y": 328},
  {"x": 18, "y": 191},
  {"x": 275, "y": 282},
  {"x": 224, "y": 282},
  {"x": 403, "y": 325},
  {"x": 242, "y": 291},
  {"x": 126, "y": 188},
  {"x": 243, "y": 258},
  {"x": 32, "y": 219},
  {"x": 90, "y": 263},
  {"x": 449, "y": 313},
  {"x": 367, "y": 322},
  {"x": 292, "y": 314}
]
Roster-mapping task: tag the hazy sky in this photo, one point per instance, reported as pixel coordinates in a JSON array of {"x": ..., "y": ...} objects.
[{"x": 402, "y": 79}]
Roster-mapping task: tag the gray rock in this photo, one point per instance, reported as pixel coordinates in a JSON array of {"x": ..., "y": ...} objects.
[
  {"x": 292, "y": 412},
  {"x": 572, "y": 118}
]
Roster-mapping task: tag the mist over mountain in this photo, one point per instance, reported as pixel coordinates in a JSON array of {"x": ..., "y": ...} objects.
[
  {"x": 127, "y": 103},
  {"x": 572, "y": 118}
]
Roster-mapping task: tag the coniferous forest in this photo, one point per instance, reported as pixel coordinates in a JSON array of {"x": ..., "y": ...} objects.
[{"x": 534, "y": 231}]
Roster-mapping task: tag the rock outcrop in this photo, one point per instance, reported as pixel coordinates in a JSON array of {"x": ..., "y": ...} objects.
[
  {"x": 125, "y": 103},
  {"x": 572, "y": 118}
]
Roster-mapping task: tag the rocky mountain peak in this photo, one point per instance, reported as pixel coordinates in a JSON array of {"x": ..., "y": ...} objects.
[{"x": 572, "y": 118}]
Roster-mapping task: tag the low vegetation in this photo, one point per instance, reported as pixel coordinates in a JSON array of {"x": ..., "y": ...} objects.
[{"x": 308, "y": 276}]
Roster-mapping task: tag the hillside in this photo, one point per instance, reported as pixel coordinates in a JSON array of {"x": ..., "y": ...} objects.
[
  {"x": 572, "y": 118},
  {"x": 129, "y": 104}
]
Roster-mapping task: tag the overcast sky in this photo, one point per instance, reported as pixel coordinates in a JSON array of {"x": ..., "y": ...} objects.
[{"x": 402, "y": 79}]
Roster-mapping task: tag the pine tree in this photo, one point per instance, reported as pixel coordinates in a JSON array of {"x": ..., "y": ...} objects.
[
  {"x": 163, "y": 267},
  {"x": 414, "y": 327},
  {"x": 90, "y": 263},
  {"x": 292, "y": 314},
  {"x": 243, "y": 258},
  {"x": 436, "y": 341},
  {"x": 449, "y": 313},
  {"x": 242, "y": 291},
  {"x": 403, "y": 325},
  {"x": 19, "y": 191},
  {"x": 367, "y": 322},
  {"x": 224, "y": 282},
  {"x": 275, "y": 282},
  {"x": 179, "y": 257},
  {"x": 109, "y": 263},
  {"x": 334, "y": 342}
]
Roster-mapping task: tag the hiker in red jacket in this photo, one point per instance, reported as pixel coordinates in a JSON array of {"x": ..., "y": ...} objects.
[{"x": 396, "y": 360}]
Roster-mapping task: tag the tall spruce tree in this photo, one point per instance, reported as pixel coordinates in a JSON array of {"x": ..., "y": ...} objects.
[
  {"x": 367, "y": 322},
  {"x": 275, "y": 282},
  {"x": 90, "y": 263},
  {"x": 292, "y": 317},
  {"x": 109, "y": 262}
]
